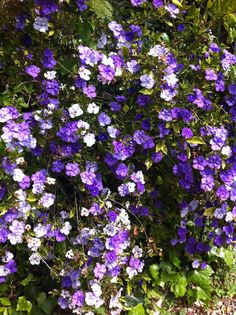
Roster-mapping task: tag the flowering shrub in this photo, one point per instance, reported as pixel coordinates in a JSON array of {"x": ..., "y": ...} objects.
[{"x": 118, "y": 154}]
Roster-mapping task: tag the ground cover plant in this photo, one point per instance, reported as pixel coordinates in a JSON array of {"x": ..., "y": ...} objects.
[{"x": 118, "y": 155}]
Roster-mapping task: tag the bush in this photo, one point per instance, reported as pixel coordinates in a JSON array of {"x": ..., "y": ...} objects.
[{"x": 118, "y": 153}]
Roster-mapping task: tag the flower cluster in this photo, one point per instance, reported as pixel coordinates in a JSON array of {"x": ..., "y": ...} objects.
[{"x": 115, "y": 139}]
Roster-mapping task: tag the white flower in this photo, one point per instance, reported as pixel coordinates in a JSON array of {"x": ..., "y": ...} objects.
[
  {"x": 18, "y": 175},
  {"x": 8, "y": 256},
  {"x": 75, "y": 111},
  {"x": 93, "y": 108},
  {"x": 70, "y": 254},
  {"x": 102, "y": 41},
  {"x": 3, "y": 271},
  {"x": 20, "y": 160},
  {"x": 40, "y": 230},
  {"x": 158, "y": 51},
  {"x": 147, "y": 81},
  {"x": 50, "y": 180},
  {"x": 89, "y": 139},
  {"x": 50, "y": 75},
  {"x": 66, "y": 228},
  {"x": 226, "y": 150},
  {"x": 84, "y": 212},
  {"x": 137, "y": 251},
  {"x": 84, "y": 73},
  {"x": 20, "y": 194},
  {"x": 171, "y": 79},
  {"x": 229, "y": 217},
  {"x": 131, "y": 187},
  {"x": 35, "y": 259},
  {"x": 33, "y": 243},
  {"x": 96, "y": 289},
  {"x": 41, "y": 24}
]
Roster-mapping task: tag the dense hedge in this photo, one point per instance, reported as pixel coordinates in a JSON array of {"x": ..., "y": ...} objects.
[{"x": 118, "y": 153}]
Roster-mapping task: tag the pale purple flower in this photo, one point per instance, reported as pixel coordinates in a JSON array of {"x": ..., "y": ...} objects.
[{"x": 147, "y": 81}]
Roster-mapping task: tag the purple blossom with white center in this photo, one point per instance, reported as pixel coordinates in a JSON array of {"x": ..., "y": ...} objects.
[
  {"x": 147, "y": 81},
  {"x": 104, "y": 119},
  {"x": 33, "y": 71},
  {"x": 72, "y": 169},
  {"x": 207, "y": 183}
]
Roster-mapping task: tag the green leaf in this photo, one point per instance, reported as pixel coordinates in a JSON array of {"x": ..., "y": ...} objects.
[
  {"x": 27, "y": 280},
  {"x": 202, "y": 278},
  {"x": 23, "y": 304},
  {"x": 154, "y": 271},
  {"x": 102, "y": 8},
  {"x": 196, "y": 140},
  {"x": 137, "y": 310},
  {"x": 41, "y": 298},
  {"x": 179, "y": 288},
  {"x": 48, "y": 305},
  {"x": 176, "y": 2},
  {"x": 5, "y": 301}
]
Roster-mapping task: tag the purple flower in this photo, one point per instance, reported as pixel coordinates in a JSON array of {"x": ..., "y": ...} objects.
[
  {"x": 33, "y": 71},
  {"x": 104, "y": 119},
  {"x": 107, "y": 73},
  {"x": 143, "y": 100},
  {"x": 187, "y": 133},
  {"x": 72, "y": 169},
  {"x": 157, "y": 3},
  {"x": 57, "y": 166},
  {"x": 82, "y": 5},
  {"x": 222, "y": 193},
  {"x": 214, "y": 47},
  {"x": 232, "y": 89},
  {"x": 181, "y": 27},
  {"x": 110, "y": 257},
  {"x": 90, "y": 91},
  {"x": 8, "y": 113},
  {"x": 210, "y": 75},
  {"x": 99, "y": 271},
  {"x": 147, "y": 81},
  {"x": 52, "y": 87},
  {"x": 122, "y": 170},
  {"x": 157, "y": 157},
  {"x": 173, "y": 10},
  {"x": 137, "y": 3},
  {"x": 132, "y": 66},
  {"x": 87, "y": 177},
  {"x": 78, "y": 298},
  {"x": 48, "y": 60},
  {"x": 196, "y": 264}
]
